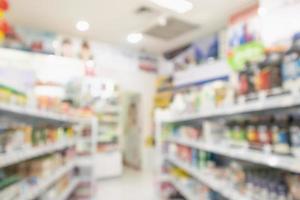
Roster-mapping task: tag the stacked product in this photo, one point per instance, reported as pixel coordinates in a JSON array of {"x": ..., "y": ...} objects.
[
  {"x": 20, "y": 142},
  {"x": 11, "y": 95},
  {"x": 164, "y": 92},
  {"x": 278, "y": 134},
  {"x": 195, "y": 157},
  {"x": 276, "y": 74},
  {"x": 83, "y": 147},
  {"x": 194, "y": 187},
  {"x": 17, "y": 180},
  {"x": 279, "y": 69},
  {"x": 251, "y": 181},
  {"x": 17, "y": 139},
  {"x": 183, "y": 131},
  {"x": 202, "y": 98},
  {"x": 59, "y": 188}
]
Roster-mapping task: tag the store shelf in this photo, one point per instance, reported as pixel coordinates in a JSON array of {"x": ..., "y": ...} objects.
[
  {"x": 32, "y": 115},
  {"x": 207, "y": 179},
  {"x": 198, "y": 75},
  {"x": 263, "y": 103},
  {"x": 38, "y": 190},
  {"x": 109, "y": 121},
  {"x": 84, "y": 139},
  {"x": 184, "y": 191},
  {"x": 111, "y": 110},
  {"x": 85, "y": 161},
  {"x": 17, "y": 157},
  {"x": 67, "y": 193},
  {"x": 287, "y": 163}
]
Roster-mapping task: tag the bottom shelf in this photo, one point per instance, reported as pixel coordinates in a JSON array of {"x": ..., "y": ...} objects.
[
  {"x": 183, "y": 190},
  {"x": 220, "y": 186},
  {"x": 71, "y": 188},
  {"x": 36, "y": 191}
]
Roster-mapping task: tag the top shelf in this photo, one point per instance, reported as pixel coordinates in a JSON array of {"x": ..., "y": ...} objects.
[
  {"x": 260, "y": 104},
  {"x": 35, "y": 116}
]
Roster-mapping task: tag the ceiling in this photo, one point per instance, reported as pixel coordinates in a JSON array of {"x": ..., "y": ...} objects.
[{"x": 112, "y": 20}]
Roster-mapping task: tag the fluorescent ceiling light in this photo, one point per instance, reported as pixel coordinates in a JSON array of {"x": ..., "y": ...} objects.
[
  {"x": 83, "y": 26},
  {"x": 180, "y": 6},
  {"x": 135, "y": 38}
]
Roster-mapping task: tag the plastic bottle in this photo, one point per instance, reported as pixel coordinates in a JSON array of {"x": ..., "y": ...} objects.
[
  {"x": 246, "y": 80},
  {"x": 295, "y": 135},
  {"x": 282, "y": 138},
  {"x": 291, "y": 63}
]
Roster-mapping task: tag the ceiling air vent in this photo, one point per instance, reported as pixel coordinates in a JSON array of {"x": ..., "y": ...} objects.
[
  {"x": 144, "y": 10},
  {"x": 173, "y": 29}
]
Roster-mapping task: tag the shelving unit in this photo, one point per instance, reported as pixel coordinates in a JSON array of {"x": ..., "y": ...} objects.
[
  {"x": 66, "y": 194},
  {"x": 287, "y": 163},
  {"x": 13, "y": 114},
  {"x": 86, "y": 163},
  {"x": 262, "y": 103},
  {"x": 13, "y": 158},
  {"x": 108, "y": 136},
  {"x": 284, "y": 101},
  {"x": 45, "y": 184},
  {"x": 18, "y": 115},
  {"x": 184, "y": 191},
  {"x": 214, "y": 183},
  {"x": 33, "y": 115}
]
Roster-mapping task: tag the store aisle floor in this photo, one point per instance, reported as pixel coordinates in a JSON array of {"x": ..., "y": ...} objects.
[{"x": 133, "y": 185}]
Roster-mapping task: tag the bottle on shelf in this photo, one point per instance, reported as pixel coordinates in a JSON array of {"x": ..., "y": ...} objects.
[
  {"x": 281, "y": 137},
  {"x": 265, "y": 135},
  {"x": 291, "y": 64},
  {"x": 295, "y": 135}
]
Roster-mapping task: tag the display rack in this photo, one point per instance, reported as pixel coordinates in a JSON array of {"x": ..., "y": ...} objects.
[
  {"x": 261, "y": 103},
  {"x": 108, "y": 142},
  {"x": 284, "y": 101},
  {"x": 13, "y": 158},
  {"x": 183, "y": 190},
  {"x": 33, "y": 115},
  {"x": 86, "y": 163},
  {"x": 214, "y": 183},
  {"x": 67, "y": 193},
  {"x": 16, "y": 114},
  {"x": 36, "y": 191},
  {"x": 287, "y": 163}
]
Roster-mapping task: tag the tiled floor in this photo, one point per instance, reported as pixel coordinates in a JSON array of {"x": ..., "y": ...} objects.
[{"x": 133, "y": 185}]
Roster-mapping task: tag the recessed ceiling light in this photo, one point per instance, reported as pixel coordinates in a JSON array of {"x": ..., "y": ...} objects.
[
  {"x": 82, "y": 26},
  {"x": 180, "y": 6},
  {"x": 262, "y": 11},
  {"x": 162, "y": 21},
  {"x": 55, "y": 44},
  {"x": 135, "y": 37}
]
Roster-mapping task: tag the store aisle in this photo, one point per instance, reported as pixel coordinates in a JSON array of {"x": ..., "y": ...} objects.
[{"x": 133, "y": 185}]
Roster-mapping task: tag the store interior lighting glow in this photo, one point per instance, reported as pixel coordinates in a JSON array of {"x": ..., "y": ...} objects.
[
  {"x": 135, "y": 38},
  {"x": 179, "y": 6},
  {"x": 55, "y": 44},
  {"x": 82, "y": 26},
  {"x": 162, "y": 21},
  {"x": 262, "y": 11}
]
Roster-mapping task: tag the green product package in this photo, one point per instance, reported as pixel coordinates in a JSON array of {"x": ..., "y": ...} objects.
[
  {"x": 202, "y": 159},
  {"x": 242, "y": 135},
  {"x": 253, "y": 51}
]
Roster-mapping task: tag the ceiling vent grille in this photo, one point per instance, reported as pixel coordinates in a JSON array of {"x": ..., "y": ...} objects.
[
  {"x": 173, "y": 29},
  {"x": 144, "y": 10}
]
